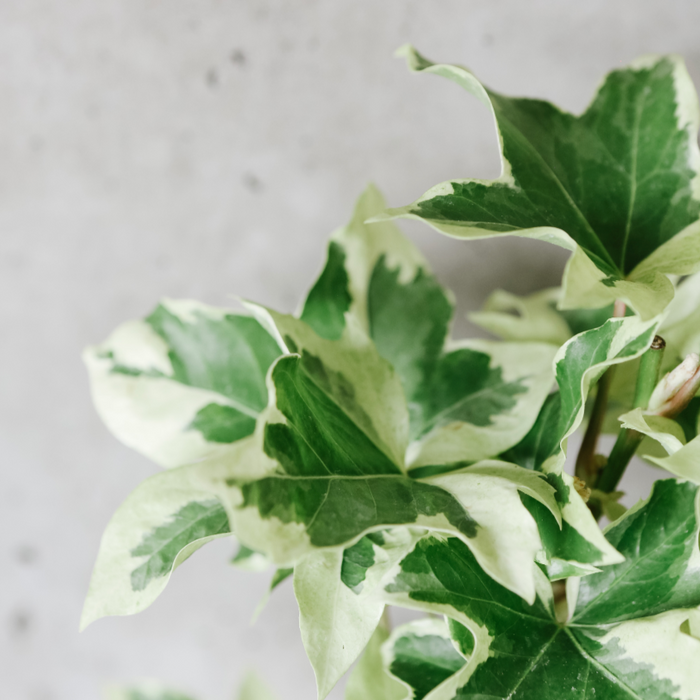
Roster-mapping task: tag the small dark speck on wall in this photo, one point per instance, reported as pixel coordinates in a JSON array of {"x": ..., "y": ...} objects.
[
  {"x": 252, "y": 183},
  {"x": 20, "y": 623},
  {"x": 212, "y": 78},
  {"x": 26, "y": 554},
  {"x": 238, "y": 58}
]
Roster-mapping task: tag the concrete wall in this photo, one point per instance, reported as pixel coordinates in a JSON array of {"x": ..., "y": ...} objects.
[{"x": 206, "y": 148}]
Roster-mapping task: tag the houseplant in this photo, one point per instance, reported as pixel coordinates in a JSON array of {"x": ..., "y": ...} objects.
[{"x": 357, "y": 448}]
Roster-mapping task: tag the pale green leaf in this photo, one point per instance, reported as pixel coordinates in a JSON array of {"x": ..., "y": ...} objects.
[
  {"x": 369, "y": 679},
  {"x": 683, "y": 460},
  {"x": 336, "y": 620},
  {"x": 531, "y": 318},
  {"x": 254, "y": 688},
  {"x": 183, "y": 384},
  {"x": 165, "y": 520},
  {"x": 248, "y": 559},
  {"x": 147, "y": 690}
]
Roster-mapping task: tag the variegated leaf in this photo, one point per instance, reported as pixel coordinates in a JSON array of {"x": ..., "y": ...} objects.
[
  {"x": 144, "y": 691},
  {"x": 482, "y": 399},
  {"x": 369, "y": 679},
  {"x": 618, "y": 186},
  {"x": 580, "y": 544},
  {"x": 164, "y": 521},
  {"x": 465, "y": 402},
  {"x": 336, "y": 480},
  {"x": 338, "y": 612},
  {"x": 183, "y": 384},
  {"x": 682, "y": 460},
  {"x": 630, "y": 634},
  {"x": 422, "y": 656}
]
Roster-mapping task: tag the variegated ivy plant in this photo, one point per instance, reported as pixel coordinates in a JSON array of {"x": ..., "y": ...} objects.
[{"x": 358, "y": 449}]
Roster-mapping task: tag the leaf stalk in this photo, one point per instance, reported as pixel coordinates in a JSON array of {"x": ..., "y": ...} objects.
[
  {"x": 629, "y": 440},
  {"x": 586, "y": 464}
]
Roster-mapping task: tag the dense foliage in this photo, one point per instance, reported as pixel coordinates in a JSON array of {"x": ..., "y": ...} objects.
[{"x": 358, "y": 449}]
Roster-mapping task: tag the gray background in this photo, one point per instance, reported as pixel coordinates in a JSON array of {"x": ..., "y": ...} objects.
[{"x": 205, "y": 149}]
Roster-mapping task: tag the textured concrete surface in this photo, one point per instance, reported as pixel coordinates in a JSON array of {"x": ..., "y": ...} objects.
[{"x": 204, "y": 149}]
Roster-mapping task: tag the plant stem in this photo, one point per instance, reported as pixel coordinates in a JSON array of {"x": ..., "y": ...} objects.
[
  {"x": 628, "y": 440},
  {"x": 648, "y": 375},
  {"x": 586, "y": 467}
]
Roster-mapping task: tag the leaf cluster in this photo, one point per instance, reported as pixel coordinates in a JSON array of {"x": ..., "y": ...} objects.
[{"x": 360, "y": 450}]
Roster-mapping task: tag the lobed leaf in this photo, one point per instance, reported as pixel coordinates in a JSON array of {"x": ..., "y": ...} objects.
[
  {"x": 144, "y": 691},
  {"x": 337, "y": 621},
  {"x": 615, "y": 646},
  {"x": 618, "y": 186},
  {"x": 334, "y": 483},
  {"x": 471, "y": 397},
  {"x": 369, "y": 680},
  {"x": 183, "y": 384},
  {"x": 422, "y": 656},
  {"x": 163, "y": 522},
  {"x": 483, "y": 398}
]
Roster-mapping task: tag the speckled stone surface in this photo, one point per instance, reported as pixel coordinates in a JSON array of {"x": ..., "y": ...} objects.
[{"x": 206, "y": 149}]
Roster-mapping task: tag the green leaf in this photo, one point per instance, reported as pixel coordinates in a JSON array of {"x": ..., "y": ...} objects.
[
  {"x": 336, "y": 620},
  {"x": 659, "y": 537},
  {"x": 473, "y": 398},
  {"x": 380, "y": 278},
  {"x": 254, "y": 688},
  {"x": 531, "y": 318},
  {"x": 625, "y": 639},
  {"x": 359, "y": 558},
  {"x": 329, "y": 299},
  {"x": 145, "y": 691},
  {"x": 248, "y": 559},
  {"x": 483, "y": 398},
  {"x": 683, "y": 460},
  {"x": 165, "y": 520},
  {"x": 183, "y": 384},
  {"x": 193, "y": 522},
  {"x": 335, "y": 484},
  {"x": 369, "y": 680},
  {"x": 541, "y": 442},
  {"x": 422, "y": 655},
  {"x": 578, "y": 364},
  {"x": 618, "y": 186}
]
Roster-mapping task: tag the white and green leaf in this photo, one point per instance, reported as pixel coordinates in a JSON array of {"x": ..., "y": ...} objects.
[
  {"x": 618, "y": 186},
  {"x": 682, "y": 460},
  {"x": 624, "y": 638},
  {"x": 147, "y": 690},
  {"x": 377, "y": 276},
  {"x": 369, "y": 680},
  {"x": 183, "y": 384},
  {"x": 422, "y": 655},
  {"x": 163, "y": 522},
  {"x": 334, "y": 483},
  {"x": 483, "y": 399},
  {"x": 338, "y": 614}
]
